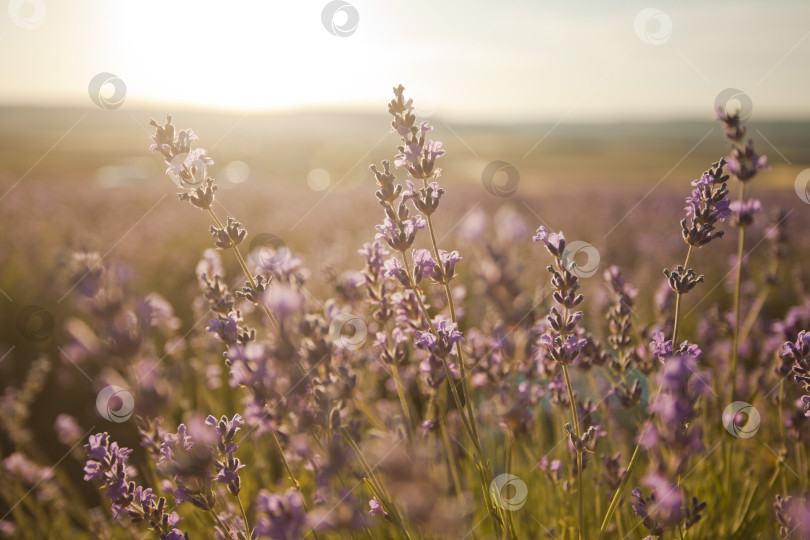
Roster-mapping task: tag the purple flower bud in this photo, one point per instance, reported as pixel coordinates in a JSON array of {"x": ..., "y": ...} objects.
[{"x": 554, "y": 242}]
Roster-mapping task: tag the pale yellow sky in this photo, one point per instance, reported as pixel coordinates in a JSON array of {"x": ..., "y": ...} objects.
[{"x": 474, "y": 60}]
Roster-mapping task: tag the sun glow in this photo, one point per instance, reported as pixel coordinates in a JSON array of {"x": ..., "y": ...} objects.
[{"x": 242, "y": 55}]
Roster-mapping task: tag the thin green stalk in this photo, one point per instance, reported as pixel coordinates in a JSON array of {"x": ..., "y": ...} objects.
[
  {"x": 447, "y": 371},
  {"x": 448, "y": 448},
  {"x": 464, "y": 388},
  {"x": 579, "y": 452},
  {"x": 376, "y": 485},
  {"x": 615, "y": 501},
  {"x": 225, "y": 528},
  {"x": 481, "y": 463},
  {"x": 248, "y": 532},
  {"x": 243, "y": 264},
  {"x": 676, "y": 324},
  {"x": 736, "y": 338},
  {"x": 509, "y": 444},
  {"x": 577, "y": 431},
  {"x": 406, "y": 410},
  {"x": 737, "y": 302}
]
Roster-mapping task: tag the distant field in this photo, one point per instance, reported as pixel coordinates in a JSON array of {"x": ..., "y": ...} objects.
[{"x": 281, "y": 149}]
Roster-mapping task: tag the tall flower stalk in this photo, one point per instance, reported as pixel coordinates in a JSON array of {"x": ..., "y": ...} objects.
[
  {"x": 188, "y": 169},
  {"x": 563, "y": 345},
  {"x": 706, "y": 207},
  {"x": 417, "y": 155},
  {"x": 744, "y": 163}
]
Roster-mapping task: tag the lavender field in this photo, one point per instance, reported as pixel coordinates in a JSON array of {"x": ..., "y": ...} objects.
[{"x": 399, "y": 319}]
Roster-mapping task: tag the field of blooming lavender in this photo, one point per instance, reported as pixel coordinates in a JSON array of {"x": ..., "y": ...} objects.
[{"x": 582, "y": 343}]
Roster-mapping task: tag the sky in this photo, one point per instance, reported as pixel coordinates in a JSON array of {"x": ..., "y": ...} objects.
[{"x": 511, "y": 60}]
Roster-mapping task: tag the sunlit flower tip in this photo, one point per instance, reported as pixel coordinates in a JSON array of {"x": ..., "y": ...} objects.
[
  {"x": 376, "y": 508},
  {"x": 433, "y": 150},
  {"x": 554, "y": 242},
  {"x": 424, "y": 266},
  {"x": 394, "y": 270},
  {"x": 374, "y": 255}
]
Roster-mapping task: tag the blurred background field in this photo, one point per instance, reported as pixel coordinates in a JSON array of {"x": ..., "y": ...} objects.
[{"x": 84, "y": 179}]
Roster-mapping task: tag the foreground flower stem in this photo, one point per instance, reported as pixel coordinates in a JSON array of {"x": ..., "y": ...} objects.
[
  {"x": 737, "y": 301},
  {"x": 676, "y": 324},
  {"x": 464, "y": 388},
  {"x": 225, "y": 528},
  {"x": 637, "y": 451},
  {"x": 243, "y": 264},
  {"x": 294, "y": 482},
  {"x": 448, "y": 448},
  {"x": 735, "y": 345},
  {"x": 481, "y": 463},
  {"x": 248, "y": 532},
  {"x": 510, "y": 443},
  {"x": 406, "y": 410},
  {"x": 579, "y": 452},
  {"x": 615, "y": 501},
  {"x": 375, "y": 484},
  {"x": 577, "y": 432}
]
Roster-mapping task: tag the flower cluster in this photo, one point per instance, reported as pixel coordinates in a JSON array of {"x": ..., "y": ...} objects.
[
  {"x": 425, "y": 267},
  {"x": 798, "y": 354},
  {"x": 706, "y": 206},
  {"x": 439, "y": 345},
  {"x": 561, "y": 341},
  {"x": 793, "y": 517},
  {"x": 227, "y": 466},
  {"x": 416, "y": 154},
  {"x": 107, "y": 461},
  {"x": 186, "y": 167},
  {"x": 675, "y": 436},
  {"x": 744, "y": 163},
  {"x": 619, "y": 318}
]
